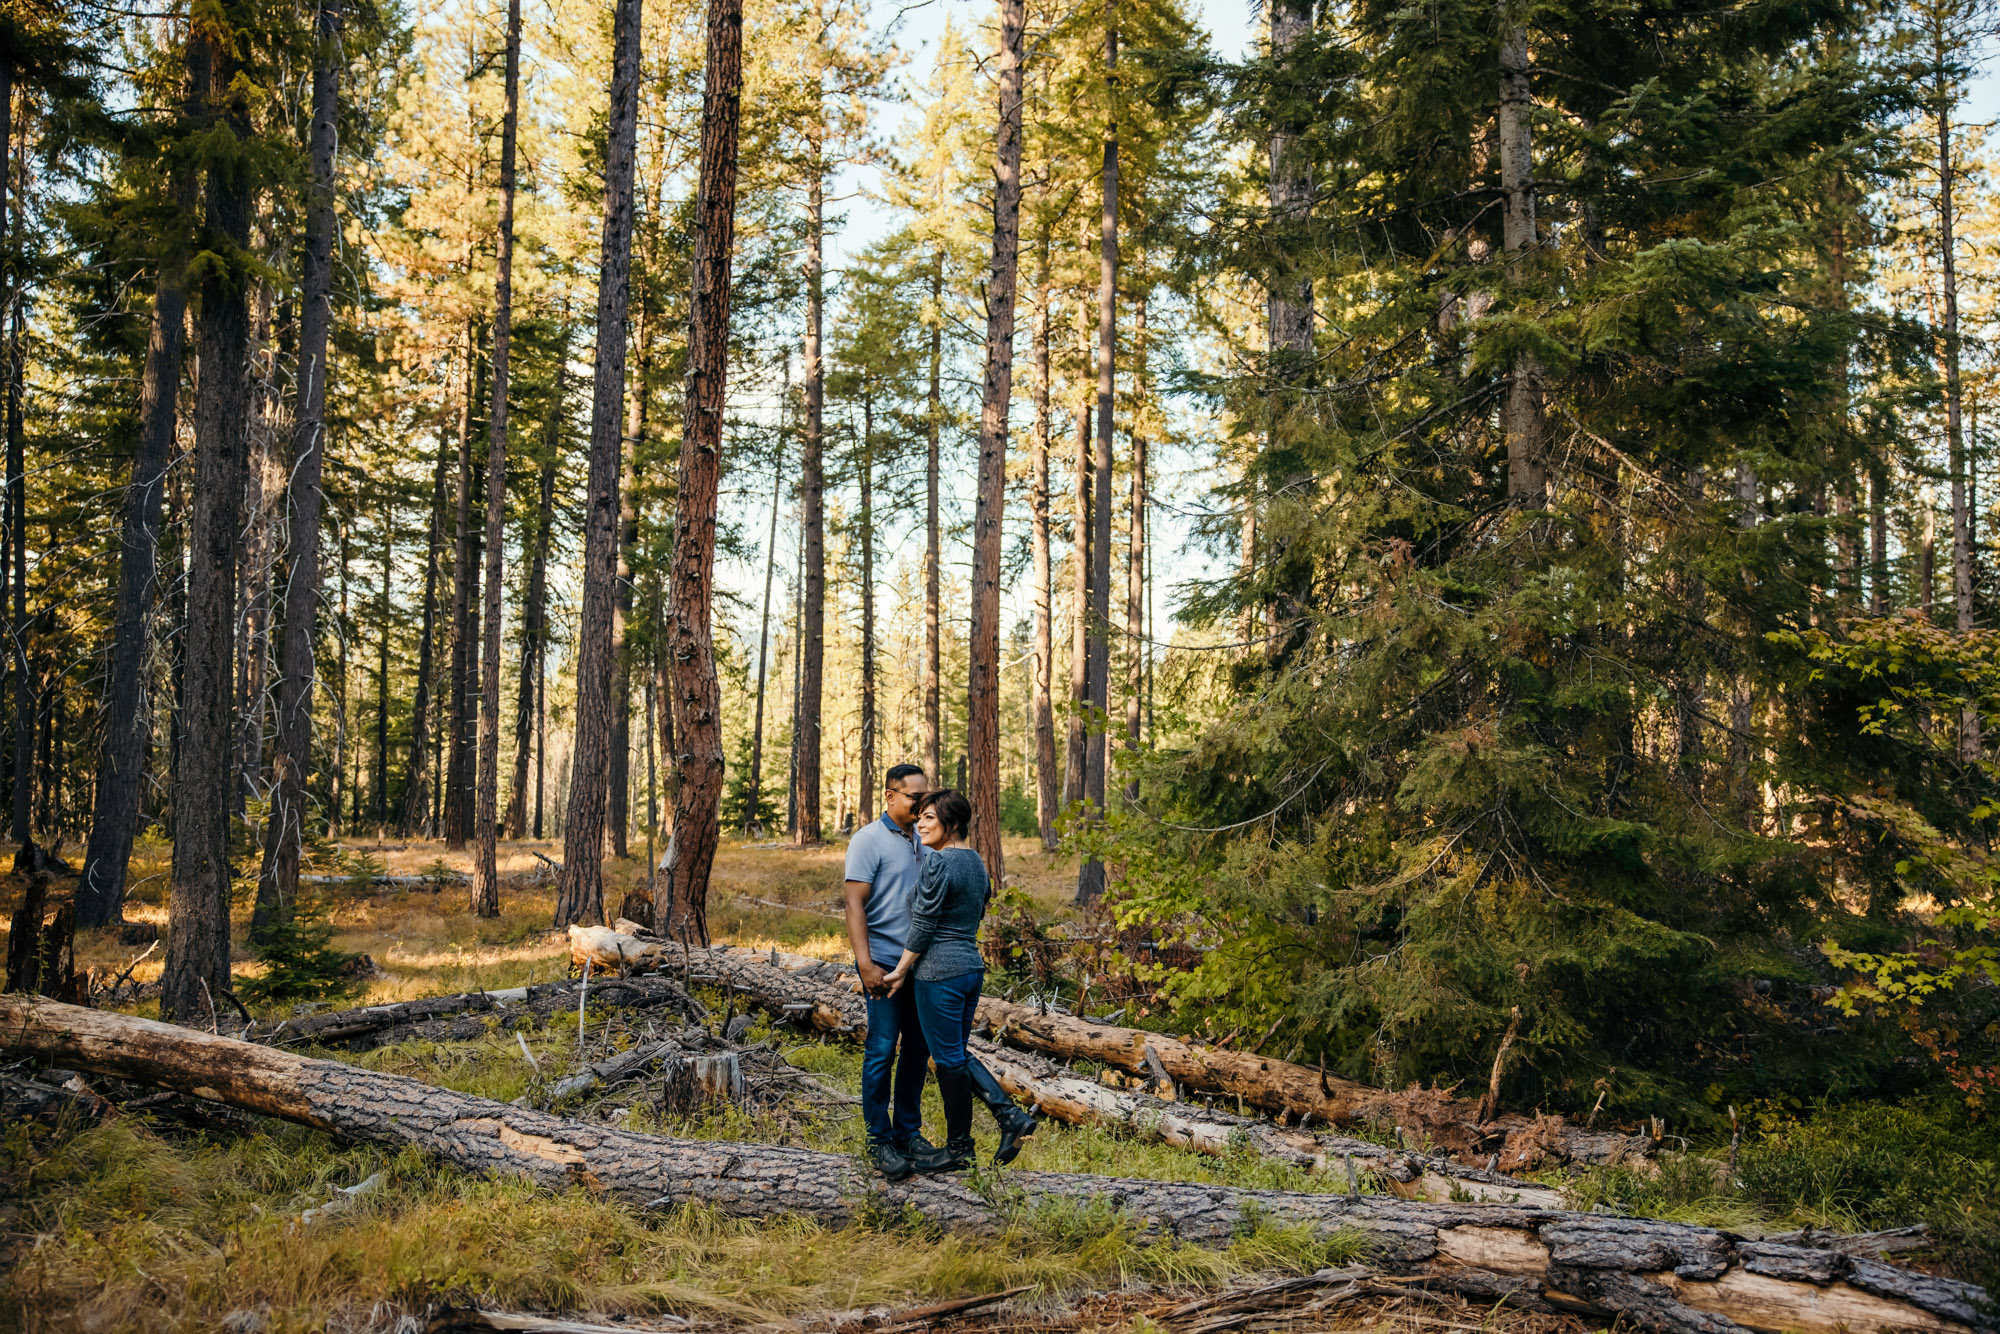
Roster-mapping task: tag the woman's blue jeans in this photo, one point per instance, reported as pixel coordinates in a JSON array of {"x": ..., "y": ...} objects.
[{"x": 945, "y": 1011}]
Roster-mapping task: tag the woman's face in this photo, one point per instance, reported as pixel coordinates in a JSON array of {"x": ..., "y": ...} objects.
[{"x": 930, "y": 829}]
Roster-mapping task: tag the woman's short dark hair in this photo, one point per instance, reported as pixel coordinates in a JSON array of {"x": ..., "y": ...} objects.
[{"x": 954, "y": 812}]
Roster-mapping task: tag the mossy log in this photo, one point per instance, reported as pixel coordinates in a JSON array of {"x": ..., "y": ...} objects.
[{"x": 1663, "y": 1276}]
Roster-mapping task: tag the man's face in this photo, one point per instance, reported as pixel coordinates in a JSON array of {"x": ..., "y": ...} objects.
[{"x": 899, "y": 799}]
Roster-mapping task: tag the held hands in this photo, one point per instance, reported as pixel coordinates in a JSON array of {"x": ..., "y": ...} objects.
[
  {"x": 896, "y": 976},
  {"x": 874, "y": 981}
]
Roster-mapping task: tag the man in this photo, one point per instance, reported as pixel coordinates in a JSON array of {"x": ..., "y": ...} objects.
[{"x": 883, "y": 863}]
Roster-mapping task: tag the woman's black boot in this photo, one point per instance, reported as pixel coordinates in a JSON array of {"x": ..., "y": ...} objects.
[
  {"x": 955, "y": 1091},
  {"x": 1016, "y": 1122}
]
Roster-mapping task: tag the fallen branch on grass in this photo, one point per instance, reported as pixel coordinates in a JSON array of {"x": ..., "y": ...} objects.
[{"x": 1663, "y": 1276}]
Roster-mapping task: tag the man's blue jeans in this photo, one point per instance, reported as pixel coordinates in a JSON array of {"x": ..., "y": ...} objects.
[{"x": 883, "y": 1068}]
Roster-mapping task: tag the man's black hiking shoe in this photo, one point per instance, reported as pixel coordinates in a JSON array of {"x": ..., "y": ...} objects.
[{"x": 890, "y": 1161}]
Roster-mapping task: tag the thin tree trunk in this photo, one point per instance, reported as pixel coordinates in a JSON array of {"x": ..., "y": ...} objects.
[
  {"x": 1135, "y": 566},
  {"x": 17, "y": 508},
  {"x": 989, "y": 514},
  {"x": 812, "y": 487},
  {"x": 867, "y": 516},
  {"x": 462, "y": 640},
  {"x": 798, "y": 671},
  {"x": 342, "y": 633},
  {"x": 1878, "y": 541},
  {"x": 933, "y": 536},
  {"x": 580, "y": 893},
  {"x": 1954, "y": 398},
  {"x": 284, "y": 829},
  {"x": 619, "y": 785},
  {"x": 1097, "y": 668},
  {"x": 684, "y": 912},
  {"x": 1290, "y": 312},
  {"x": 1046, "y": 773},
  {"x": 416, "y": 786},
  {"x": 534, "y": 609},
  {"x": 121, "y": 770},
  {"x": 196, "y": 968},
  {"x": 1075, "y": 734},
  {"x": 486, "y": 816},
  {"x": 382, "y": 605},
  {"x": 1525, "y": 426},
  {"x": 753, "y": 814}
]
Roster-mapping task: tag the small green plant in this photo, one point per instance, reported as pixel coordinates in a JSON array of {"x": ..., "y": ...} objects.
[
  {"x": 438, "y": 875},
  {"x": 300, "y": 962}
]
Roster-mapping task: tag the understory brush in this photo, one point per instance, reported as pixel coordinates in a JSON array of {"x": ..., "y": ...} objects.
[{"x": 1852, "y": 1167}]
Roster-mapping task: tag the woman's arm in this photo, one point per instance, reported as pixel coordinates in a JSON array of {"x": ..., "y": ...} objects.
[{"x": 927, "y": 905}]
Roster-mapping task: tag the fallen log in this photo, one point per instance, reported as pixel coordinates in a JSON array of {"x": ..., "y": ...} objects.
[
  {"x": 1668, "y": 1277},
  {"x": 377, "y": 1021},
  {"x": 823, "y": 995}
]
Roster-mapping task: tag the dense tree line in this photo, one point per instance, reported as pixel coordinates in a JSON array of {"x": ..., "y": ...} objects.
[{"x": 1554, "y": 435}]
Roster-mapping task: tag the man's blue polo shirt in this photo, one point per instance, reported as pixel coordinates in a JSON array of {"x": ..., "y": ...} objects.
[{"x": 888, "y": 861}]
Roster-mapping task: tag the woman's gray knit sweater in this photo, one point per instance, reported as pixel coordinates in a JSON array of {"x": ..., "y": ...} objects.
[{"x": 945, "y": 913}]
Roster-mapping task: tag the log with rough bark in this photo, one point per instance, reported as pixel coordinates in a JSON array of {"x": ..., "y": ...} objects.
[
  {"x": 822, "y": 994},
  {"x": 1663, "y": 1276}
]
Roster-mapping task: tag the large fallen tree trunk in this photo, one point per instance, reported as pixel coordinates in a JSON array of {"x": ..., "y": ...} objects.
[
  {"x": 823, "y": 995},
  {"x": 1664, "y": 1276}
]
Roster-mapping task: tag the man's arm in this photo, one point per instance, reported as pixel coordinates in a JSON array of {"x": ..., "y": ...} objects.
[{"x": 872, "y": 973}]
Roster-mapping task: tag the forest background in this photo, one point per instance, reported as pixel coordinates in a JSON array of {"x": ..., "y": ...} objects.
[{"x": 1498, "y": 515}]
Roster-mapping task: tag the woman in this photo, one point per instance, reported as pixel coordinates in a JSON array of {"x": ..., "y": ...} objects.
[{"x": 941, "y": 958}]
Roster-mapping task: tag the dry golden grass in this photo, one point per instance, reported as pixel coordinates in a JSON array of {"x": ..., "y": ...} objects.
[{"x": 427, "y": 943}]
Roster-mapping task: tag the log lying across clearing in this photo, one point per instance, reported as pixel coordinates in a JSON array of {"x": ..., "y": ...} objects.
[
  {"x": 1663, "y": 1276},
  {"x": 812, "y": 991}
]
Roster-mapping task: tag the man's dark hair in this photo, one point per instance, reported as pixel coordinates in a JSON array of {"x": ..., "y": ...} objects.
[
  {"x": 898, "y": 772},
  {"x": 954, "y": 812}
]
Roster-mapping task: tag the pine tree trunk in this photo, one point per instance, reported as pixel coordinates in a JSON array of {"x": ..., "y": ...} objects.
[
  {"x": 812, "y": 485},
  {"x": 462, "y": 641},
  {"x": 934, "y": 539},
  {"x": 990, "y": 510},
  {"x": 284, "y": 828},
  {"x": 196, "y": 968},
  {"x": 682, "y": 912},
  {"x": 1097, "y": 666},
  {"x": 867, "y": 518},
  {"x": 416, "y": 786},
  {"x": 1079, "y": 600},
  {"x": 128, "y": 727},
  {"x": 17, "y": 528},
  {"x": 534, "y": 609},
  {"x": 619, "y": 785},
  {"x": 1135, "y": 565},
  {"x": 580, "y": 893},
  {"x": 1042, "y": 706},
  {"x": 1523, "y": 421},
  {"x": 1962, "y": 552},
  {"x": 380, "y": 786},
  {"x": 486, "y": 815},
  {"x": 1290, "y": 311},
  {"x": 754, "y": 810},
  {"x": 1878, "y": 542}
]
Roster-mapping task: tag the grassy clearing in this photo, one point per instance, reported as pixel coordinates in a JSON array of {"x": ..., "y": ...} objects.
[
  {"x": 132, "y": 1226},
  {"x": 134, "y": 1231}
]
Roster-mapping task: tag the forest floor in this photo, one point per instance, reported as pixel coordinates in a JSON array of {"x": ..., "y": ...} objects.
[{"x": 147, "y": 1221}]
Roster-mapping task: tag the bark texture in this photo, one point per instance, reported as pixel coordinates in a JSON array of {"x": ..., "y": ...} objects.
[
  {"x": 580, "y": 893},
  {"x": 128, "y": 726},
  {"x": 486, "y": 811},
  {"x": 1522, "y": 417},
  {"x": 1041, "y": 705},
  {"x": 990, "y": 509},
  {"x": 1662, "y": 1276},
  {"x": 812, "y": 466},
  {"x": 196, "y": 971},
  {"x": 285, "y": 828},
  {"x": 1097, "y": 661},
  {"x": 681, "y": 905}
]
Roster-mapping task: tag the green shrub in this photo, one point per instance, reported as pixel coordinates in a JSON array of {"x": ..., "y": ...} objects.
[{"x": 300, "y": 962}]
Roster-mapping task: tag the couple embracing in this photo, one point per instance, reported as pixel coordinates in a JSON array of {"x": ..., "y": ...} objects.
[{"x": 915, "y": 895}]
